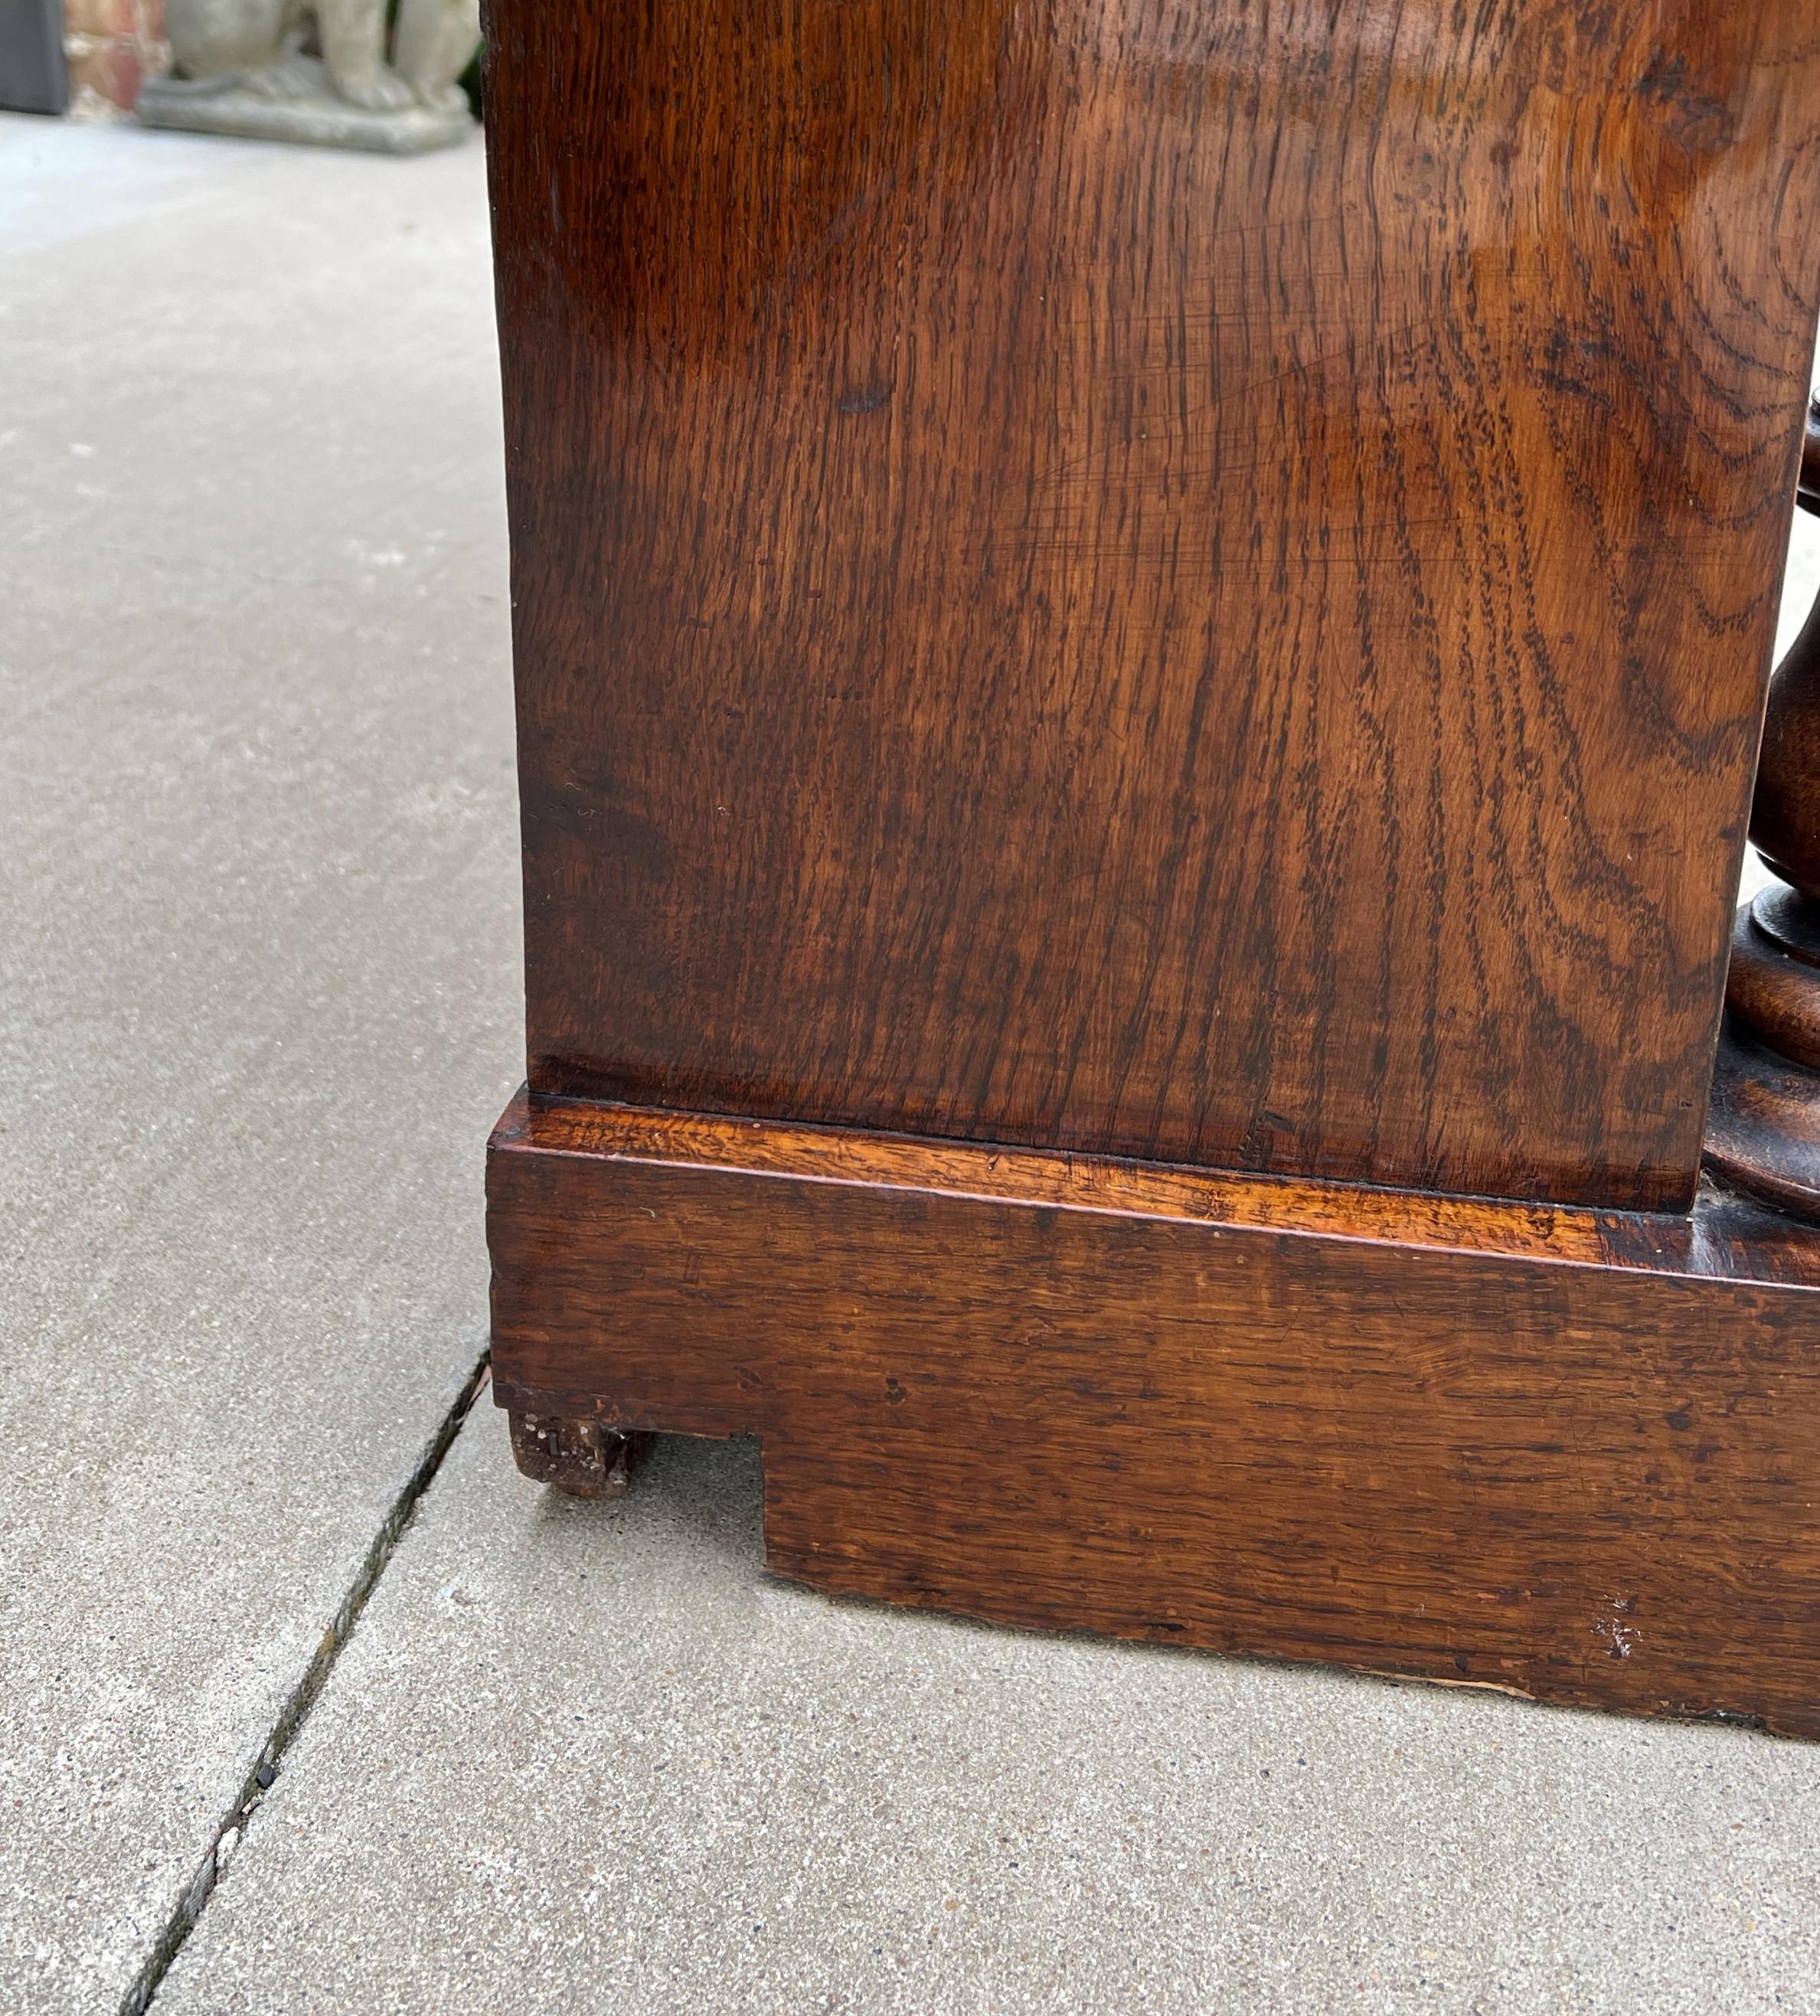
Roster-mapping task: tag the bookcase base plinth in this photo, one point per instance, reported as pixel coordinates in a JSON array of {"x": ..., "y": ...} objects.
[{"x": 1570, "y": 1453}]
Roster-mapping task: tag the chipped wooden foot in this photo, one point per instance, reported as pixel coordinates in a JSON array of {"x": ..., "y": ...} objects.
[{"x": 585, "y": 1459}]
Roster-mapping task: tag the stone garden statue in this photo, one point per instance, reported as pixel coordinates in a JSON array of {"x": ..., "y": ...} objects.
[{"x": 318, "y": 70}]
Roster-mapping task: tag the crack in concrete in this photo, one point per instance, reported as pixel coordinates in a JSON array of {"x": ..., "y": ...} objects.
[{"x": 195, "y": 1896}]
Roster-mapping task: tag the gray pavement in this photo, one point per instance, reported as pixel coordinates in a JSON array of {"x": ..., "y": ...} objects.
[
  {"x": 258, "y": 1005},
  {"x": 259, "y": 988},
  {"x": 585, "y": 1758}
]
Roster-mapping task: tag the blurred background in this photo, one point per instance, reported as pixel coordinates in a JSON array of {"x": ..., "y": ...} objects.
[{"x": 88, "y": 58}]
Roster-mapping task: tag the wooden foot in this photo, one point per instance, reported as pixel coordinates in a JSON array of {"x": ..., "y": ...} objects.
[
  {"x": 1573, "y": 1453},
  {"x": 581, "y": 1457}
]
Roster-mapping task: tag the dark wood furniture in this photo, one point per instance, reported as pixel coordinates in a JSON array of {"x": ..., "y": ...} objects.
[
  {"x": 1762, "y": 1132},
  {"x": 1141, "y": 628}
]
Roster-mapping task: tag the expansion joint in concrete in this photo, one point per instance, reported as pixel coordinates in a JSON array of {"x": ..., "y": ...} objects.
[{"x": 302, "y": 1698}]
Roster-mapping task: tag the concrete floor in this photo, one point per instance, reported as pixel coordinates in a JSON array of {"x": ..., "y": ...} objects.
[{"x": 258, "y": 1005}]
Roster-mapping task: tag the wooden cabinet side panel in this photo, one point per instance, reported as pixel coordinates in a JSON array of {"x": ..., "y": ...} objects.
[{"x": 1155, "y": 576}]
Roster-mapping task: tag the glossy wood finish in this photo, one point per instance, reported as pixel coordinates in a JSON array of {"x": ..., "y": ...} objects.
[
  {"x": 1188, "y": 579},
  {"x": 1174, "y": 577},
  {"x": 1573, "y": 1453},
  {"x": 1763, "y": 1131}
]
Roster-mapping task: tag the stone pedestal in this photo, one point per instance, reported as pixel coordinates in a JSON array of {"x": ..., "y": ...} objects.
[
  {"x": 318, "y": 118},
  {"x": 323, "y": 73}
]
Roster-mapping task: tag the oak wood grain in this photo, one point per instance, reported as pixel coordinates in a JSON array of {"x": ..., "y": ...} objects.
[
  {"x": 1086, "y": 1397},
  {"x": 1175, "y": 578}
]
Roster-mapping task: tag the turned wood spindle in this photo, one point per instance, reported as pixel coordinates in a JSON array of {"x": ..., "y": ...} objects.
[{"x": 1764, "y": 1134}]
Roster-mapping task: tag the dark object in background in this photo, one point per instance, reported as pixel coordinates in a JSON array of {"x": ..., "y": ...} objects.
[
  {"x": 1764, "y": 1135},
  {"x": 33, "y": 76}
]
